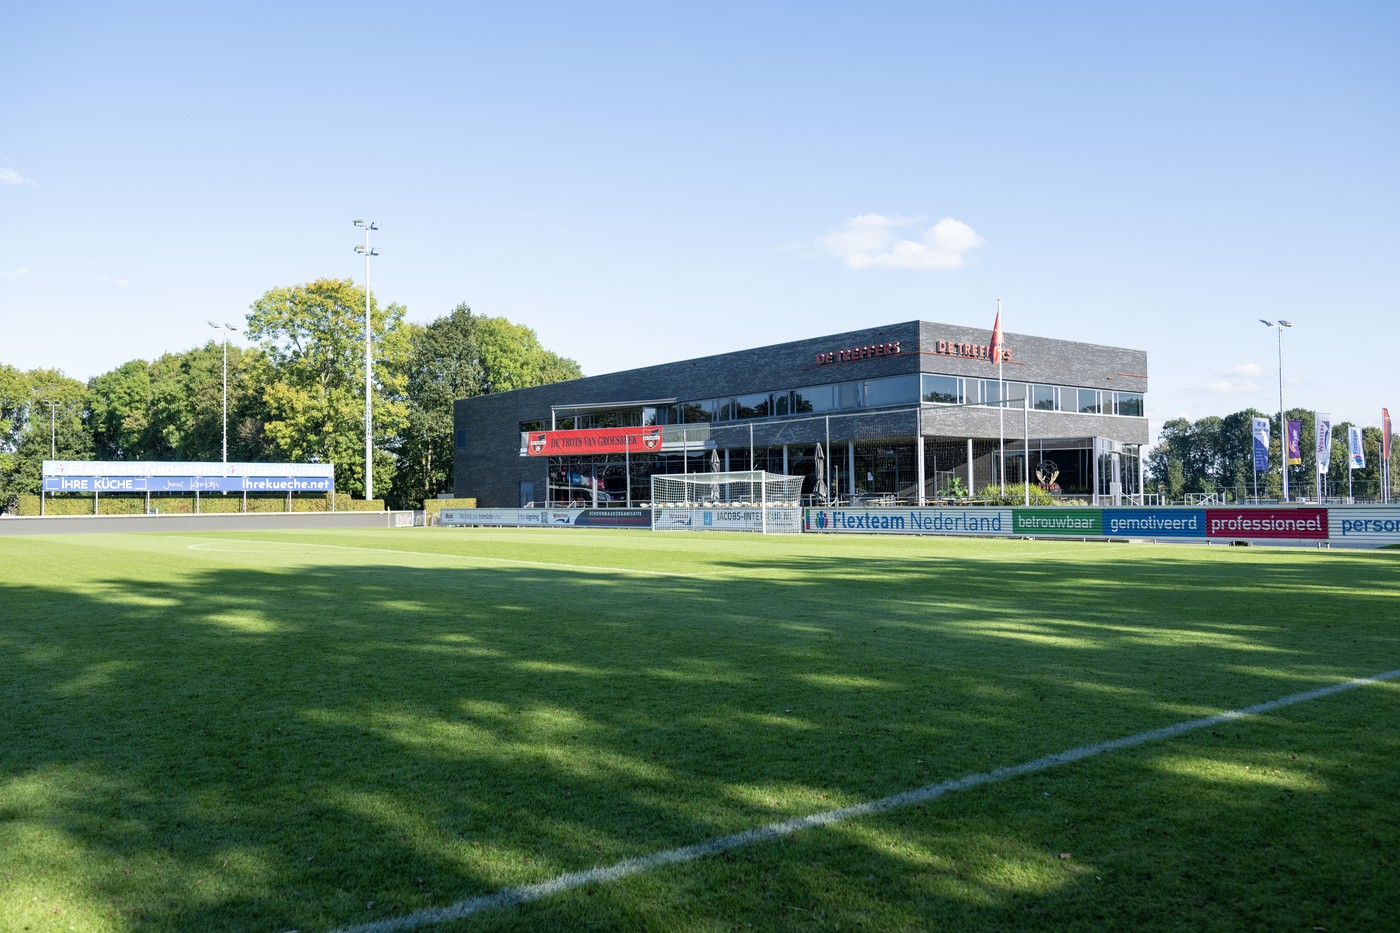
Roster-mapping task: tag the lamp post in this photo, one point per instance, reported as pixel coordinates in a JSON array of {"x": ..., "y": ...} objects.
[
  {"x": 1282, "y": 415},
  {"x": 53, "y": 435},
  {"x": 369, "y": 371},
  {"x": 225, "y": 328}
]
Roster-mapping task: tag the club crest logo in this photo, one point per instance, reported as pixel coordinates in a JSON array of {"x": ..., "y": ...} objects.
[
  {"x": 651, "y": 438},
  {"x": 537, "y": 443}
]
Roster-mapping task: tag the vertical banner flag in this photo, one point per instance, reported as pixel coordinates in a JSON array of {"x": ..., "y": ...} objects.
[
  {"x": 1323, "y": 422},
  {"x": 1261, "y": 444},
  {"x": 1295, "y": 443},
  {"x": 994, "y": 351},
  {"x": 1385, "y": 434},
  {"x": 1357, "y": 455}
]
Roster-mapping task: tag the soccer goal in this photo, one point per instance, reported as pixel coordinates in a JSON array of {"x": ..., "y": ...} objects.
[{"x": 751, "y": 500}]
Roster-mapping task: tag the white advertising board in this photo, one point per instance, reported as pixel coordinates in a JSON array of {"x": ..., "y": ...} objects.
[{"x": 1355, "y": 525}]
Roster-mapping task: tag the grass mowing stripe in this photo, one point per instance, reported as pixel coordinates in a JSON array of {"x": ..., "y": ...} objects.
[
  {"x": 510, "y": 897},
  {"x": 466, "y": 557}
]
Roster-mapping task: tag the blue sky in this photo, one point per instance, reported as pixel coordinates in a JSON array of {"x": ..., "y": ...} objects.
[{"x": 644, "y": 182}]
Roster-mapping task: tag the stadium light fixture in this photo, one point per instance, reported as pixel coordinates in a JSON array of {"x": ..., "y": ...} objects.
[{"x": 367, "y": 252}]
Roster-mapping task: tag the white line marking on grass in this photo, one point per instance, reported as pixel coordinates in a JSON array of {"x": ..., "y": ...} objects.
[
  {"x": 509, "y": 897},
  {"x": 467, "y": 557}
]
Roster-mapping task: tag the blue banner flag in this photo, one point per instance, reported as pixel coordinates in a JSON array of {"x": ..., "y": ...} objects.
[{"x": 1261, "y": 444}]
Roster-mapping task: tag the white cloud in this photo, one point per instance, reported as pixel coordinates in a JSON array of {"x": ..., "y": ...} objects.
[
  {"x": 1232, "y": 387},
  {"x": 873, "y": 241},
  {"x": 14, "y": 274},
  {"x": 9, "y": 176},
  {"x": 1242, "y": 380}
]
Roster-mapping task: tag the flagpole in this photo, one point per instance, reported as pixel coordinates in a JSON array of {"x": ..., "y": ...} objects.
[
  {"x": 1026, "y": 443},
  {"x": 1001, "y": 398}
]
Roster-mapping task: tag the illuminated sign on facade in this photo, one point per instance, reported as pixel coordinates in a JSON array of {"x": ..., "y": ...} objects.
[{"x": 958, "y": 348}]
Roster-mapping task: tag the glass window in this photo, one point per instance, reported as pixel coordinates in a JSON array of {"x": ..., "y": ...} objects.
[
  {"x": 782, "y": 403},
  {"x": 698, "y": 412},
  {"x": 942, "y": 390},
  {"x": 892, "y": 390},
  {"x": 724, "y": 409},
  {"x": 1088, "y": 402},
  {"x": 1016, "y": 394},
  {"x": 1130, "y": 403},
  {"x": 1045, "y": 398},
  {"x": 531, "y": 426},
  {"x": 814, "y": 399},
  {"x": 989, "y": 391},
  {"x": 751, "y": 406},
  {"x": 848, "y": 396}
]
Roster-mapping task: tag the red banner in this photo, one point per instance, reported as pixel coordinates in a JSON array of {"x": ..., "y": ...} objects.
[
  {"x": 1266, "y": 523},
  {"x": 598, "y": 441}
]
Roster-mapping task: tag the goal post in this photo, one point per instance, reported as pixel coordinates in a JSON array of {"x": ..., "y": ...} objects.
[{"x": 748, "y": 500}]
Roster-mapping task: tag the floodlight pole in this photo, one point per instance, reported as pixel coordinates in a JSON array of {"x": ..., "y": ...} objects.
[
  {"x": 1282, "y": 415},
  {"x": 369, "y": 366},
  {"x": 53, "y": 434},
  {"x": 226, "y": 328}
]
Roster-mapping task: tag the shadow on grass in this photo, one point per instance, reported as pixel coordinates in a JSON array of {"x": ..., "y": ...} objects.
[{"x": 323, "y": 743}]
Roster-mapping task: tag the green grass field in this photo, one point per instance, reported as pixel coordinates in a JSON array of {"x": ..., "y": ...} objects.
[{"x": 311, "y": 731}]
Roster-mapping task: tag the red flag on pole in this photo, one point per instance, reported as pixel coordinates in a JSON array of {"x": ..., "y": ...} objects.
[{"x": 998, "y": 345}]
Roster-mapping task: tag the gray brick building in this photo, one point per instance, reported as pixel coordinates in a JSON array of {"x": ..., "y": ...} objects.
[{"x": 908, "y": 411}]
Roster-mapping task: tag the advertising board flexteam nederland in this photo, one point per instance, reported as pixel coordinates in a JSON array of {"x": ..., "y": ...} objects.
[{"x": 989, "y": 522}]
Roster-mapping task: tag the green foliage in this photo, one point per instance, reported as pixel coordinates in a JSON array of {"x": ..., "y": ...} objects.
[
  {"x": 14, "y": 406},
  {"x": 434, "y": 507},
  {"x": 1017, "y": 495},
  {"x": 180, "y": 504},
  {"x": 47, "y": 422},
  {"x": 462, "y": 355},
  {"x": 120, "y": 412},
  {"x": 1216, "y": 453},
  {"x": 172, "y": 409},
  {"x": 1176, "y": 479},
  {"x": 298, "y": 396},
  {"x": 313, "y": 336}
]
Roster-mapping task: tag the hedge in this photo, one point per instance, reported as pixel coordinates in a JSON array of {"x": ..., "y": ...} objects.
[
  {"x": 434, "y": 506},
  {"x": 180, "y": 504}
]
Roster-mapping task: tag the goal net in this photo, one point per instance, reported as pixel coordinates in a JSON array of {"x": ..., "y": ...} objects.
[{"x": 751, "y": 500}]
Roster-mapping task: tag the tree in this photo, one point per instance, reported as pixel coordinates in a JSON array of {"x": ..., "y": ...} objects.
[
  {"x": 512, "y": 358},
  {"x": 462, "y": 355},
  {"x": 313, "y": 336},
  {"x": 49, "y": 425},
  {"x": 1176, "y": 480},
  {"x": 172, "y": 409},
  {"x": 119, "y": 415},
  {"x": 14, "y": 403}
]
